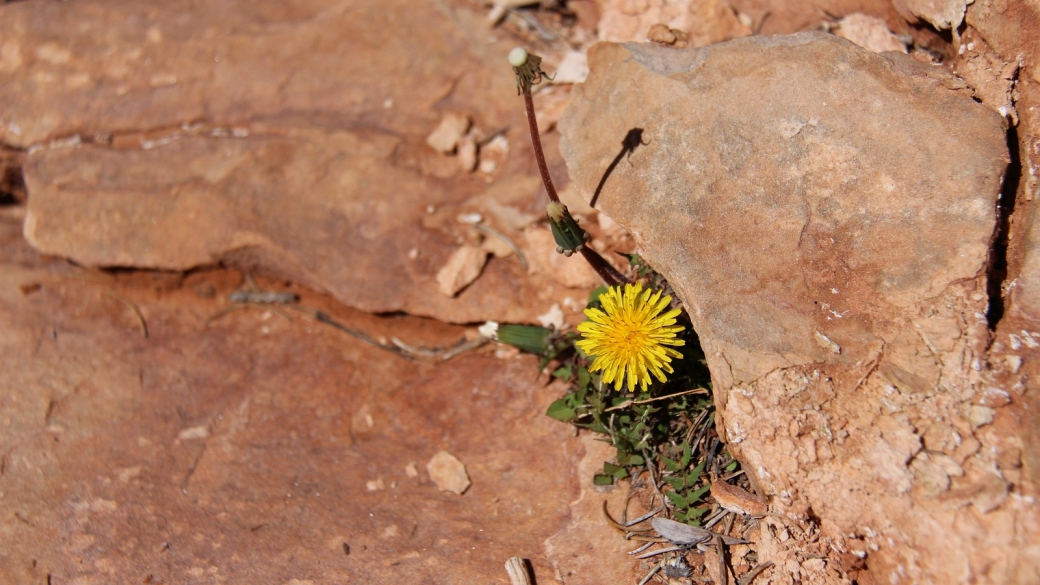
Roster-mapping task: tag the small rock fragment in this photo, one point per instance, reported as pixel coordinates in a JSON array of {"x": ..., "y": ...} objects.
[
  {"x": 553, "y": 317},
  {"x": 411, "y": 470},
  {"x": 462, "y": 268},
  {"x": 448, "y": 473},
  {"x": 493, "y": 154},
  {"x": 825, "y": 343},
  {"x": 737, "y": 500},
  {"x": 467, "y": 154},
  {"x": 979, "y": 415},
  {"x": 375, "y": 485},
  {"x": 869, "y": 32},
  {"x": 200, "y": 432},
  {"x": 661, "y": 33},
  {"x": 574, "y": 68},
  {"x": 447, "y": 134},
  {"x": 469, "y": 218}
]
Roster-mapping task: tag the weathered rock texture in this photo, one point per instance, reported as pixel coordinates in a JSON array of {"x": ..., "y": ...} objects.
[
  {"x": 255, "y": 449},
  {"x": 289, "y": 137},
  {"x": 827, "y": 215}
]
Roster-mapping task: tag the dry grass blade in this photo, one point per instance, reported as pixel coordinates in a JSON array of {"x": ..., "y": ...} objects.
[
  {"x": 512, "y": 245},
  {"x": 440, "y": 354},
  {"x": 133, "y": 307},
  {"x": 628, "y": 403},
  {"x": 623, "y": 528},
  {"x": 721, "y": 548}
]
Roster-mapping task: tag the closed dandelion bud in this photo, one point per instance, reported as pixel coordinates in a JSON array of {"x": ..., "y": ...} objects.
[
  {"x": 529, "y": 338},
  {"x": 569, "y": 236}
]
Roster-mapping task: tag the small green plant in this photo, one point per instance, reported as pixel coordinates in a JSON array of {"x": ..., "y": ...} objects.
[
  {"x": 650, "y": 429},
  {"x": 659, "y": 422}
]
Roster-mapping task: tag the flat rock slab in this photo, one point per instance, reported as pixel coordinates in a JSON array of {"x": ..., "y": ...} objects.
[
  {"x": 826, "y": 214},
  {"x": 808, "y": 187},
  {"x": 259, "y": 448},
  {"x": 290, "y": 139}
]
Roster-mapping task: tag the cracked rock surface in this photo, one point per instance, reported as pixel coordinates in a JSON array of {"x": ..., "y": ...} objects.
[
  {"x": 267, "y": 447},
  {"x": 284, "y": 136},
  {"x": 827, "y": 215}
]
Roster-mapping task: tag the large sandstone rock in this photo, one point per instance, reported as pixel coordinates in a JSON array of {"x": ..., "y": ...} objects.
[
  {"x": 826, "y": 214},
  {"x": 255, "y": 449},
  {"x": 289, "y": 138}
]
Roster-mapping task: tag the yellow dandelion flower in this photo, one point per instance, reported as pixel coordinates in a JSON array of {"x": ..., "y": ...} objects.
[{"x": 629, "y": 337}]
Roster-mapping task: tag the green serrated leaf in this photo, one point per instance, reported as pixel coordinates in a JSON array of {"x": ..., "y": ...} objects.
[
  {"x": 630, "y": 459},
  {"x": 603, "y": 479},
  {"x": 562, "y": 410},
  {"x": 670, "y": 465},
  {"x": 694, "y": 513},
  {"x": 584, "y": 377},
  {"x": 677, "y": 500},
  {"x": 676, "y": 482},
  {"x": 686, "y": 454},
  {"x": 562, "y": 372},
  {"x": 696, "y": 494},
  {"x": 695, "y": 474}
]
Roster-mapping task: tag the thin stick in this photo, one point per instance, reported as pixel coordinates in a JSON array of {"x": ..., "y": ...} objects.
[
  {"x": 754, "y": 573},
  {"x": 659, "y": 551},
  {"x": 644, "y": 517},
  {"x": 723, "y": 573},
  {"x": 648, "y": 400},
  {"x": 653, "y": 480},
  {"x": 623, "y": 528},
  {"x": 133, "y": 307},
  {"x": 650, "y": 575},
  {"x": 642, "y": 548}
]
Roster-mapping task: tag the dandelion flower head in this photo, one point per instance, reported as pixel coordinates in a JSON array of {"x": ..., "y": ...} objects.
[{"x": 630, "y": 337}]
